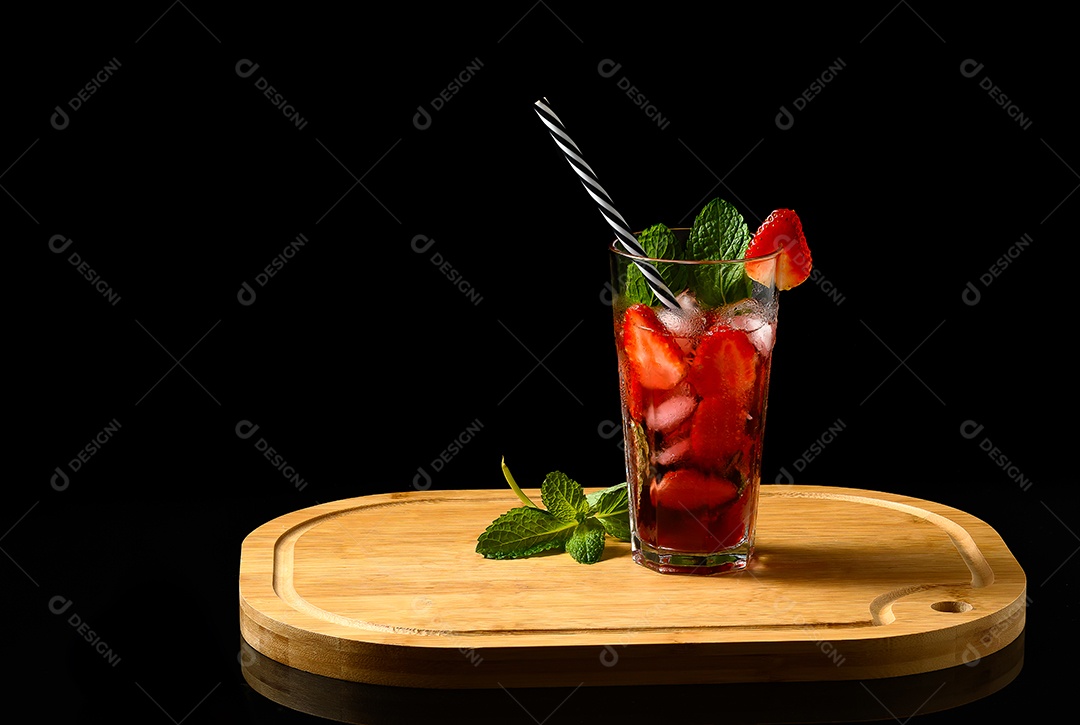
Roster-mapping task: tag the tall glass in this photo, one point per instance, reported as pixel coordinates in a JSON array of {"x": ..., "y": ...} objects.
[{"x": 694, "y": 385}]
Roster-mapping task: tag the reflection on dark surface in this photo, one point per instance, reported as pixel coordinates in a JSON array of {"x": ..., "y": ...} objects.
[{"x": 894, "y": 698}]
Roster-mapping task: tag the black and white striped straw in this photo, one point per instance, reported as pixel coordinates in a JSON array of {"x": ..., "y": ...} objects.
[{"x": 623, "y": 234}]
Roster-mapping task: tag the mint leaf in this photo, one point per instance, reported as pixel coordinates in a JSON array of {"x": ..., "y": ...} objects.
[
  {"x": 586, "y": 544},
  {"x": 611, "y": 507},
  {"x": 719, "y": 232},
  {"x": 524, "y": 531},
  {"x": 659, "y": 242},
  {"x": 592, "y": 498},
  {"x": 563, "y": 497},
  {"x": 572, "y": 522}
]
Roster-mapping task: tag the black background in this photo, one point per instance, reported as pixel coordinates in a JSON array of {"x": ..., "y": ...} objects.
[{"x": 364, "y": 363}]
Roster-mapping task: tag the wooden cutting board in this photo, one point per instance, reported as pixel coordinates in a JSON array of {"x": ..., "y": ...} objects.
[{"x": 846, "y": 584}]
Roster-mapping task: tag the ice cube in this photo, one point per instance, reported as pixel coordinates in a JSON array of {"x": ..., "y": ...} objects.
[
  {"x": 763, "y": 338},
  {"x": 687, "y": 300},
  {"x": 688, "y": 321},
  {"x": 673, "y": 453},
  {"x": 668, "y": 414},
  {"x": 747, "y": 315},
  {"x": 753, "y": 318}
]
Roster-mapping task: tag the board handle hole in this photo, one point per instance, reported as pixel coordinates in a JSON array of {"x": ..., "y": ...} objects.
[{"x": 953, "y": 607}]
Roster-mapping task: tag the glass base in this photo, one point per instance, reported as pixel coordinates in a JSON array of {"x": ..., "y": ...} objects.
[{"x": 666, "y": 561}]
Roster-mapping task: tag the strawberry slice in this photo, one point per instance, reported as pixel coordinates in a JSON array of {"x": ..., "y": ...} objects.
[
  {"x": 690, "y": 509},
  {"x": 725, "y": 362},
  {"x": 656, "y": 360},
  {"x": 718, "y": 430},
  {"x": 686, "y": 488},
  {"x": 782, "y": 230},
  {"x": 737, "y": 521}
]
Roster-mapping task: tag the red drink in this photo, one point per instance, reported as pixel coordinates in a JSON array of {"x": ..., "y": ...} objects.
[
  {"x": 695, "y": 325},
  {"x": 694, "y": 391}
]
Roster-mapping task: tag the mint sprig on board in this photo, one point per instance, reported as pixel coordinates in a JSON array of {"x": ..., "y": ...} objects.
[{"x": 571, "y": 521}]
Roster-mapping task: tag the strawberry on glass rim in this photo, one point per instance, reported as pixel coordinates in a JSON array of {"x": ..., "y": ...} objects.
[{"x": 783, "y": 231}]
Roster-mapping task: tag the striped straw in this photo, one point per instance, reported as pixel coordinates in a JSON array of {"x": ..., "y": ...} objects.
[{"x": 588, "y": 179}]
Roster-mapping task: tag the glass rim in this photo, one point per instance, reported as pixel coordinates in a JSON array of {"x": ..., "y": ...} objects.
[{"x": 614, "y": 248}]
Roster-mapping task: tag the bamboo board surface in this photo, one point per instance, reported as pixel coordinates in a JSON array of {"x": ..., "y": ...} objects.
[{"x": 845, "y": 584}]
